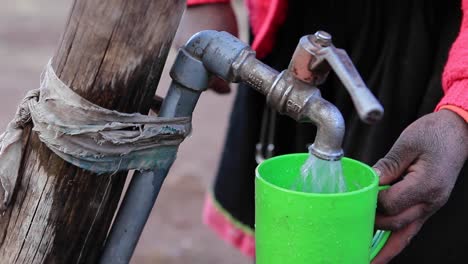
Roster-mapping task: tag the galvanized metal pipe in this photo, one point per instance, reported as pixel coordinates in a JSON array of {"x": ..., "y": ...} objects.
[
  {"x": 133, "y": 214},
  {"x": 292, "y": 92},
  {"x": 144, "y": 187}
]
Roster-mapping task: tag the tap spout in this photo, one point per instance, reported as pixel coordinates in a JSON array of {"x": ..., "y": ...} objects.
[
  {"x": 292, "y": 92},
  {"x": 330, "y": 128}
]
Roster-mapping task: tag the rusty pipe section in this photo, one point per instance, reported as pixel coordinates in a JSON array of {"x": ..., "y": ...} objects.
[{"x": 292, "y": 92}]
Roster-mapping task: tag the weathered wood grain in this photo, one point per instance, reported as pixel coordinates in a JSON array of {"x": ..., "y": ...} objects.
[{"x": 112, "y": 53}]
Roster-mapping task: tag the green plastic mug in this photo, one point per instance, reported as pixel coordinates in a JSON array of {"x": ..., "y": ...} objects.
[{"x": 305, "y": 228}]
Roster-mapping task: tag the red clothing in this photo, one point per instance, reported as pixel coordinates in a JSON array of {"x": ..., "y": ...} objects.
[
  {"x": 267, "y": 15},
  {"x": 265, "y": 18}
]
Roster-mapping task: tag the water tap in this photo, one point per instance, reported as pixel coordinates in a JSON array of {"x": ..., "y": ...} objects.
[{"x": 292, "y": 92}]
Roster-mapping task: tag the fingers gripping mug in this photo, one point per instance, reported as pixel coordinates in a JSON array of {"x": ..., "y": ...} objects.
[{"x": 305, "y": 228}]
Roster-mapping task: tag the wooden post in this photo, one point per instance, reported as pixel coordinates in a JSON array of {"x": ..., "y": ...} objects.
[{"x": 112, "y": 53}]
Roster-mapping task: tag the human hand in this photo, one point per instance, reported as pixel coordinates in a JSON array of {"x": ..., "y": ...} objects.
[
  {"x": 423, "y": 166},
  {"x": 219, "y": 17}
]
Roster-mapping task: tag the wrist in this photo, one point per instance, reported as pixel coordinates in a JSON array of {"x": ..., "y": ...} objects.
[
  {"x": 452, "y": 118},
  {"x": 456, "y": 128},
  {"x": 457, "y": 110}
]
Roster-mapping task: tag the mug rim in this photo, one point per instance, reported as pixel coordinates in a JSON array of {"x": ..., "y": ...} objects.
[{"x": 373, "y": 184}]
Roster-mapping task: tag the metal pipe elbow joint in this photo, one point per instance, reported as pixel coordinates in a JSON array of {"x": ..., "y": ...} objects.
[{"x": 218, "y": 51}]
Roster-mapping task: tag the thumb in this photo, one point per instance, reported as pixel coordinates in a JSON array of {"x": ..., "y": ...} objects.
[{"x": 395, "y": 163}]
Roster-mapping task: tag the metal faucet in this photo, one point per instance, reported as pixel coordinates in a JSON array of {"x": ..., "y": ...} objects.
[{"x": 292, "y": 92}]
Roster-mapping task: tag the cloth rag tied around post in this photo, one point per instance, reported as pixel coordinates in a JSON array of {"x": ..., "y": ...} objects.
[{"x": 86, "y": 135}]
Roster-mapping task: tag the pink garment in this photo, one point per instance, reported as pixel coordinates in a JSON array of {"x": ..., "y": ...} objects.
[
  {"x": 265, "y": 18},
  {"x": 225, "y": 228},
  {"x": 455, "y": 76}
]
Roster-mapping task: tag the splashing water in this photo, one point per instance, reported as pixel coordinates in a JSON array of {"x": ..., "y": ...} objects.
[{"x": 320, "y": 176}]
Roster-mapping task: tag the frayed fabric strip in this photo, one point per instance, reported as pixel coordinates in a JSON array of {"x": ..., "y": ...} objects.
[{"x": 86, "y": 135}]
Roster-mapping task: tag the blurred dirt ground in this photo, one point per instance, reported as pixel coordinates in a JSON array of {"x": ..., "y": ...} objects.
[{"x": 29, "y": 33}]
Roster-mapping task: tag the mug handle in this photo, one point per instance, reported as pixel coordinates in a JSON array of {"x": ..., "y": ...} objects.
[{"x": 380, "y": 237}]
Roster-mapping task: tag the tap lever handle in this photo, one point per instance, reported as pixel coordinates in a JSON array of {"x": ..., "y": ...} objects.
[{"x": 367, "y": 106}]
